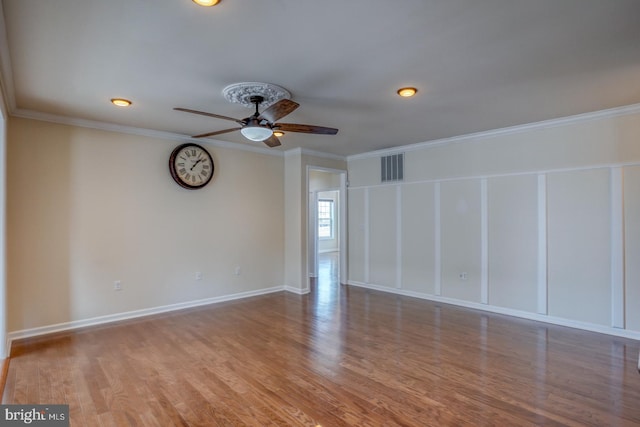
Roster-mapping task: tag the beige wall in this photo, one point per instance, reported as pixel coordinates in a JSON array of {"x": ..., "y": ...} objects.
[
  {"x": 88, "y": 207},
  {"x": 3, "y": 276},
  {"x": 531, "y": 215}
]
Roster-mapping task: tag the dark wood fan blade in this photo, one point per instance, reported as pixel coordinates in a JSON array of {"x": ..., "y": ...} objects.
[
  {"x": 272, "y": 141},
  {"x": 218, "y": 132},
  {"x": 278, "y": 110},
  {"x": 294, "y": 127},
  {"x": 203, "y": 113}
]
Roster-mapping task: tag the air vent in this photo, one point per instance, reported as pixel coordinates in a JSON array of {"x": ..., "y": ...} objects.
[{"x": 392, "y": 168}]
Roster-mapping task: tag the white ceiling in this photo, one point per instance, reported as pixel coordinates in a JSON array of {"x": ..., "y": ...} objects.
[{"x": 478, "y": 64}]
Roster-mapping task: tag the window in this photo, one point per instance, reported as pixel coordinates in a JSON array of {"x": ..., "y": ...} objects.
[{"x": 325, "y": 219}]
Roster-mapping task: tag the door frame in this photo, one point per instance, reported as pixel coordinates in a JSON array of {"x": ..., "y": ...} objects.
[{"x": 312, "y": 237}]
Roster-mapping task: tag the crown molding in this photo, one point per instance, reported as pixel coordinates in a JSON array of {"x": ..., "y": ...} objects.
[
  {"x": 131, "y": 130},
  {"x": 473, "y": 137}
]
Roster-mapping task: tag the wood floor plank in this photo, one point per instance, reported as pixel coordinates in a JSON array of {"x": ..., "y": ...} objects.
[{"x": 340, "y": 356}]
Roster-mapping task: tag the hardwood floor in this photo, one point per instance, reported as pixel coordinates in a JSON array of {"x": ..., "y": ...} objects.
[{"x": 341, "y": 356}]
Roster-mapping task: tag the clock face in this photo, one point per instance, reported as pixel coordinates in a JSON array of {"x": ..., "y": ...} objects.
[{"x": 191, "y": 166}]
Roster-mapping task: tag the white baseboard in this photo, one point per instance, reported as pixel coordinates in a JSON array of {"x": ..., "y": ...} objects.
[
  {"x": 624, "y": 333},
  {"x": 110, "y": 318},
  {"x": 297, "y": 290}
]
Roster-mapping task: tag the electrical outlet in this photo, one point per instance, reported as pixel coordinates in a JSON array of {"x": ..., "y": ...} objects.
[
  {"x": 117, "y": 285},
  {"x": 463, "y": 275},
  {"x": 197, "y": 275},
  {"x": 237, "y": 272}
]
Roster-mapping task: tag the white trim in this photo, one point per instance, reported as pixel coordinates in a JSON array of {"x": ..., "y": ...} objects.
[
  {"x": 398, "y": 236},
  {"x": 366, "y": 236},
  {"x": 110, "y": 318},
  {"x": 473, "y": 137},
  {"x": 294, "y": 290},
  {"x": 312, "y": 224},
  {"x": 617, "y": 248},
  {"x": 484, "y": 242},
  {"x": 131, "y": 130},
  {"x": 508, "y": 174},
  {"x": 437, "y": 238},
  {"x": 506, "y": 311},
  {"x": 542, "y": 276},
  {"x": 326, "y": 251},
  {"x": 343, "y": 228}
]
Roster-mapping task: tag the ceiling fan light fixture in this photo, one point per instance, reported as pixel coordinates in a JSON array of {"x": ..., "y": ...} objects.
[
  {"x": 278, "y": 133},
  {"x": 256, "y": 133},
  {"x": 120, "y": 102},
  {"x": 407, "y": 92},
  {"x": 206, "y": 2}
]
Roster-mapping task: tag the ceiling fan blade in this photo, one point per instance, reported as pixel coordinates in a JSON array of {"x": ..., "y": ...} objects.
[
  {"x": 279, "y": 110},
  {"x": 203, "y": 113},
  {"x": 294, "y": 127},
  {"x": 218, "y": 132},
  {"x": 272, "y": 141}
]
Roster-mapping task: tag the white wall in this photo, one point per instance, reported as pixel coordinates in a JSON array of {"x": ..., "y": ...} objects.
[
  {"x": 88, "y": 207},
  {"x": 540, "y": 221}
]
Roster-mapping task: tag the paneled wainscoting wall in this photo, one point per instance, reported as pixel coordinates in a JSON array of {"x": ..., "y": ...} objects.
[{"x": 546, "y": 245}]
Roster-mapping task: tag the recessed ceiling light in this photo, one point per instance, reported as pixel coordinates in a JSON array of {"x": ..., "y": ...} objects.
[
  {"x": 120, "y": 102},
  {"x": 206, "y": 2},
  {"x": 407, "y": 92},
  {"x": 278, "y": 133}
]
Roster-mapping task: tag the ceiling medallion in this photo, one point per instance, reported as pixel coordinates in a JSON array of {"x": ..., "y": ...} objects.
[{"x": 241, "y": 93}]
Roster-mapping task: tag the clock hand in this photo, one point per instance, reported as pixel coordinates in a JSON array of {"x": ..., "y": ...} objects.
[{"x": 197, "y": 161}]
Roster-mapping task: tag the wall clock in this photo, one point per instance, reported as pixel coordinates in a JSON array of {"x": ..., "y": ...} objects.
[{"x": 191, "y": 166}]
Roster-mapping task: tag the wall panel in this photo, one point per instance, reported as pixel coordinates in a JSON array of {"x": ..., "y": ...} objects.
[
  {"x": 512, "y": 239},
  {"x": 461, "y": 244},
  {"x": 559, "y": 197},
  {"x": 579, "y": 248},
  {"x": 382, "y": 236},
  {"x": 418, "y": 238},
  {"x": 357, "y": 230},
  {"x": 632, "y": 246}
]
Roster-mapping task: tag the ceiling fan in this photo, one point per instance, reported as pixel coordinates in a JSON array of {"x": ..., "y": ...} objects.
[{"x": 260, "y": 126}]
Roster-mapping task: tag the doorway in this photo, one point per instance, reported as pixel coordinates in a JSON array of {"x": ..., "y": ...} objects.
[{"x": 326, "y": 226}]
